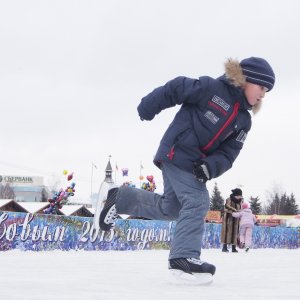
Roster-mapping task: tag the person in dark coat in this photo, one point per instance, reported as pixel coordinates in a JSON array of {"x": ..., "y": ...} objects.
[
  {"x": 201, "y": 143},
  {"x": 230, "y": 225}
]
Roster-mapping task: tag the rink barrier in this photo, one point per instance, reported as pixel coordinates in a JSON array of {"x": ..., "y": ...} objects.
[{"x": 26, "y": 231}]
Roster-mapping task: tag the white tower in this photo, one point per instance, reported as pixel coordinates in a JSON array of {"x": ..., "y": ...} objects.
[{"x": 105, "y": 186}]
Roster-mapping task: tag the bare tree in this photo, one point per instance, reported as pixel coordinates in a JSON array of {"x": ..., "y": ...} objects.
[
  {"x": 54, "y": 184},
  {"x": 44, "y": 195},
  {"x": 6, "y": 192}
]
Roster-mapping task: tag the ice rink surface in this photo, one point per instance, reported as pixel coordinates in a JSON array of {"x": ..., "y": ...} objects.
[{"x": 123, "y": 275}]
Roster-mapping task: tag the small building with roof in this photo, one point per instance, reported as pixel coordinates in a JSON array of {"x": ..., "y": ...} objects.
[
  {"x": 11, "y": 205},
  {"x": 35, "y": 207},
  {"x": 76, "y": 210}
]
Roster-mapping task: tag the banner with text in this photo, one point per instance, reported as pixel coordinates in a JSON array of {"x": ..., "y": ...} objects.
[{"x": 48, "y": 232}]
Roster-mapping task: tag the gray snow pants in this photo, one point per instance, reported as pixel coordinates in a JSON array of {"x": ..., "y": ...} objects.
[{"x": 185, "y": 200}]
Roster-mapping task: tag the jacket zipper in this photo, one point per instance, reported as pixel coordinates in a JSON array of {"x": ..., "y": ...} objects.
[{"x": 229, "y": 120}]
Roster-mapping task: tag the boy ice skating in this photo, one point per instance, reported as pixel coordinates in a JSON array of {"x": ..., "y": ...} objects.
[
  {"x": 247, "y": 221},
  {"x": 201, "y": 143}
]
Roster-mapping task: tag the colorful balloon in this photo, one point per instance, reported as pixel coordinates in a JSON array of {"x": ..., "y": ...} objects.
[
  {"x": 70, "y": 176},
  {"x": 150, "y": 178},
  {"x": 61, "y": 197}
]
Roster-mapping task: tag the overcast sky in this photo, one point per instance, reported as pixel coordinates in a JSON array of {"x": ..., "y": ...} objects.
[{"x": 73, "y": 72}]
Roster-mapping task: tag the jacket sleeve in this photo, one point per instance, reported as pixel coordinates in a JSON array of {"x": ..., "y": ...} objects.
[
  {"x": 223, "y": 158},
  {"x": 237, "y": 214},
  {"x": 175, "y": 92},
  {"x": 228, "y": 208}
]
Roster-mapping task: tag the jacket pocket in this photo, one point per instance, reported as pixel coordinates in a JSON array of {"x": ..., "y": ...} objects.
[
  {"x": 178, "y": 139},
  {"x": 181, "y": 136}
]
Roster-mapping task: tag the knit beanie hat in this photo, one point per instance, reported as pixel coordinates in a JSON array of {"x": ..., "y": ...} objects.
[
  {"x": 245, "y": 205},
  {"x": 258, "y": 71},
  {"x": 237, "y": 192}
]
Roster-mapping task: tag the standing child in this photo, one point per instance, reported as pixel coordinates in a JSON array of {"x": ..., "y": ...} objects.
[
  {"x": 247, "y": 221},
  {"x": 201, "y": 143}
]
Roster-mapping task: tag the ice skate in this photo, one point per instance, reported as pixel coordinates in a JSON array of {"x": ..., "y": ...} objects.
[
  {"x": 109, "y": 214},
  {"x": 191, "y": 271}
]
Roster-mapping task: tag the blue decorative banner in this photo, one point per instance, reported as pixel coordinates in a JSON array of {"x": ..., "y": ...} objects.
[{"x": 50, "y": 232}]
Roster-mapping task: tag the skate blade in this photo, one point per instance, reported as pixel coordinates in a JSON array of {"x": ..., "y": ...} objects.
[{"x": 180, "y": 277}]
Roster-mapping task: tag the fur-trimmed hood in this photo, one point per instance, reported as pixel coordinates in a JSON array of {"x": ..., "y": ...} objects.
[
  {"x": 234, "y": 73},
  {"x": 234, "y": 77}
]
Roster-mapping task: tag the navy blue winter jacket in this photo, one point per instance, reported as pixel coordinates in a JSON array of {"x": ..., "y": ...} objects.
[{"x": 211, "y": 125}]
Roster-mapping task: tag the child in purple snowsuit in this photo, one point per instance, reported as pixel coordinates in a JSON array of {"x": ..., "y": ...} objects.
[{"x": 247, "y": 222}]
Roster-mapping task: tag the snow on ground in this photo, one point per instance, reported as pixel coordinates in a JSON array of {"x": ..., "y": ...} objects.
[{"x": 259, "y": 274}]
